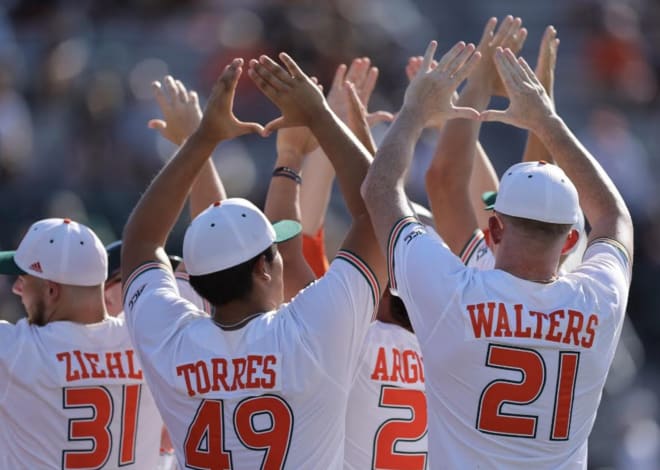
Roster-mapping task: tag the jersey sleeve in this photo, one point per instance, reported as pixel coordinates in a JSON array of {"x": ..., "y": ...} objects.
[
  {"x": 476, "y": 253},
  {"x": 153, "y": 307},
  {"x": 424, "y": 273},
  {"x": 608, "y": 267},
  {"x": 8, "y": 354},
  {"x": 334, "y": 313},
  {"x": 187, "y": 292},
  {"x": 314, "y": 252}
]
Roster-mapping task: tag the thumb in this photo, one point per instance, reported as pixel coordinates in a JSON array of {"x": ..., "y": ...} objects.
[
  {"x": 157, "y": 124},
  {"x": 253, "y": 127},
  {"x": 465, "y": 113},
  {"x": 495, "y": 115},
  {"x": 273, "y": 125},
  {"x": 378, "y": 117}
]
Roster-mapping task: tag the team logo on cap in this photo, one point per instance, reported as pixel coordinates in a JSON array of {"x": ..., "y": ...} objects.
[{"x": 36, "y": 267}]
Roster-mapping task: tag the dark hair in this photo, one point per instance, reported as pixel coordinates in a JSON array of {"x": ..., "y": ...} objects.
[
  {"x": 538, "y": 229},
  {"x": 399, "y": 312},
  {"x": 234, "y": 283}
]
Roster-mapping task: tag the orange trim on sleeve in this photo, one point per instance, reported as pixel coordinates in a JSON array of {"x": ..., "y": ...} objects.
[{"x": 314, "y": 252}]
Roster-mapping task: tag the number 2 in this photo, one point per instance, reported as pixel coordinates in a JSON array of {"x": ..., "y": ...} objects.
[
  {"x": 204, "y": 445},
  {"x": 97, "y": 428},
  {"x": 413, "y": 429},
  {"x": 491, "y": 419}
]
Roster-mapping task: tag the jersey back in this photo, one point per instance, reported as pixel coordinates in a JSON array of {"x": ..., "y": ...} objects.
[
  {"x": 74, "y": 396},
  {"x": 270, "y": 394},
  {"x": 515, "y": 369},
  {"x": 386, "y": 419}
]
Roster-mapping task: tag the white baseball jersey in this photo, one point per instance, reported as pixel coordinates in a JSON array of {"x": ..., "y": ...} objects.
[
  {"x": 476, "y": 253},
  {"x": 187, "y": 292},
  {"x": 386, "y": 414},
  {"x": 271, "y": 394},
  {"x": 515, "y": 369},
  {"x": 74, "y": 396}
]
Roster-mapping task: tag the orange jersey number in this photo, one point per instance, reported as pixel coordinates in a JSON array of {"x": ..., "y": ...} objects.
[
  {"x": 531, "y": 365},
  {"x": 208, "y": 426},
  {"x": 97, "y": 428},
  {"x": 385, "y": 456}
]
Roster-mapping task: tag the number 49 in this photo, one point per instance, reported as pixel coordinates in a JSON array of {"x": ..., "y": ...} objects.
[{"x": 491, "y": 419}]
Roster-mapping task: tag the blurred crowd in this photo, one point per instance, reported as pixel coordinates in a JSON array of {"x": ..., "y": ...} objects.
[{"x": 75, "y": 98}]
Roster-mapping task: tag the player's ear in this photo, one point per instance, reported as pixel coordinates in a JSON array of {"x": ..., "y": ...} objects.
[
  {"x": 262, "y": 269},
  {"x": 495, "y": 228},
  {"x": 53, "y": 290},
  {"x": 571, "y": 240}
]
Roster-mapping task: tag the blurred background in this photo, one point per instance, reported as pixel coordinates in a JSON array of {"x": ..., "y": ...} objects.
[{"x": 75, "y": 99}]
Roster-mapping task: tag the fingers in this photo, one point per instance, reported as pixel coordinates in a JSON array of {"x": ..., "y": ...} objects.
[
  {"x": 519, "y": 40},
  {"x": 355, "y": 105},
  {"x": 255, "y": 73},
  {"x": 464, "y": 71},
  {"x": 369, "y": 85},
  {"x": 529, "y": 73},
  {"x": 460, "y": 59},
  {"x": 487, "y": 35},
  {"x": 428, "y": 56},
  {"x": 357, "y": 71},
  {"x": 340, "y": 77},
  {"x": 171, "y": 91},
  {"x": 182, "y": 93},
  {"x": 450, "y": 56},
  {"x": 291, "y": 65},
  {"x": 504, "y": 30},
  {"x": 274, "y": 73},
  {"x": 508, "y": 71},
  {"x": 159, "y": 93}
]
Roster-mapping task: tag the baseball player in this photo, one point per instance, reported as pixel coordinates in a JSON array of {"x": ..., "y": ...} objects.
[
  {"x": 72, "y": 391},
  {"x": 459, "y": 158},
  {"x": 516, "y": 357},
  {"x": 259, "y": 385}
]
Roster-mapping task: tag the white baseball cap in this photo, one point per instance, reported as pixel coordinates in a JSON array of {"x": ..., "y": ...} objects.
[
  {"x": 538, "y": 191},
  {"x": 229, "y": 233},
  {"x": 59, "y": 250}
]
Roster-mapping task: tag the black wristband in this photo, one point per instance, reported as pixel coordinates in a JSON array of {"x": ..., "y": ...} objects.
[{"x": 287, "y": 173}]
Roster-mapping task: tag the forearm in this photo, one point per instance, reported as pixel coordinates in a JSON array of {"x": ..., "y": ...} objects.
[
  {"x": 383, "y": 188},
  {"x": 601, "y": 201},
  {"x": 206, "y": 190},
  {"x": 535, "y": 150},
  {"x": 483, "y": 178},
  {"x": 318, "y": 175},
  {"x": 157, "y": 211},
  {"x": 348, "y": 157}
]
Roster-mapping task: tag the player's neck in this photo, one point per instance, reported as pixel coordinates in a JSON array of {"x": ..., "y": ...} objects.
[
  {"x": 237, "y": 313},
  {"x": 537, "y": 264},
  {"x": 85, "y": 309}
]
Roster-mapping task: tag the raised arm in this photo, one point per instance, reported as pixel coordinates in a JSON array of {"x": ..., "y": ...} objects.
[
  {"x": 159, "y": 207},
  {"x": 302, "y": 103},
  {"x": 450, "y": 185},
  {"x": 531, "y": 108},
  {"x": 317, "y": 169},
  {"x": 283, "y": 202},
  {"x": 181, "y": 117},
  {"x": 545, "y": 72},
  {"x": 427, "y": 102}
]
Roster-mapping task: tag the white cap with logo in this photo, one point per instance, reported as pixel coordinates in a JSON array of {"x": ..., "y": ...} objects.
[
  {"x": 59, "y": 250},
  {"x": 229, "y": 233},
  {"x": 538, "y": 191}
]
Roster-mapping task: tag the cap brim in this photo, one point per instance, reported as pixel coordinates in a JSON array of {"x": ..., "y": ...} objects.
[
  {"x": 286, "y": 230},
  {"x": 488, "y": 199},
  {"x": 8, "y": 265}
]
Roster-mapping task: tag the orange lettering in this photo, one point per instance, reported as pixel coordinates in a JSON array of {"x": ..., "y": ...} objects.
[
  {"x": 252, "y": 362},
  {"x": 269, "y": 372},
  {"x": 554, "y": 323},
  {"x": 93, "y": 360},
  {"x": 380, "y": 369},
  {"x": 396, "y": 365},
  {"x": 539, "y": 323},
  {"x": 239, "y": 370},
  {"x": 185, "y": 370},
  {"x": 70, "y": 376},
  {"x": 502, "y": 321},
  {"x": 81, "y": 363},
  {"x": 527, "y": 333},
  {"x": 571, "y": 329},
  {"x": 588, "y": 341},
  {"x": 113, "y": 363},
  {"x": 219, "y": 374},
  {"x": 481, "y": 324},
  {"x": 132, "y": 374}
]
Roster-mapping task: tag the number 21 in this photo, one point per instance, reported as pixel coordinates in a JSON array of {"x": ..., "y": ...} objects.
[{"x": 491, "y": 419}]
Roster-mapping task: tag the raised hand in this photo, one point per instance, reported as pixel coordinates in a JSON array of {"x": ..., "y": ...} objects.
[
  {"x": 358, "y": 119},
  {"x": 530, "y": 106},
  {"x": 429, "y": 94},
  {"x": 218, "y": 122},
  {"x": 363, "y": 76},
  {"x": 510, "y": 34},
  {"x": 414, "y": 64},
  {"x": 180, "y": 108},
  {"x": 297, "y": 96},
  {"x": 547, "y": 59}
]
